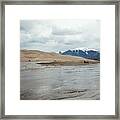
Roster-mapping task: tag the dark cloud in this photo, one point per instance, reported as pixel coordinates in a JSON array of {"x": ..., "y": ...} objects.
[
  {"x": 65, "y": 31},
  {"x": 68, "y": 43}
]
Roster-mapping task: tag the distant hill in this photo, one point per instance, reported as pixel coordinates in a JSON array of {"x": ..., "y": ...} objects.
[
  {"x": 85, "y": 53},
  {"x": 41, "y": 57}
]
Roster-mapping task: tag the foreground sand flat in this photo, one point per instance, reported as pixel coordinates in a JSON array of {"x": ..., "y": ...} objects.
[
  {"x": 81, "y": 82},
  {"x": 51, "y": 58}
]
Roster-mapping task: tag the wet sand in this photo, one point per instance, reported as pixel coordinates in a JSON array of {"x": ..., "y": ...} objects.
[{"x": 56, "y": 82}]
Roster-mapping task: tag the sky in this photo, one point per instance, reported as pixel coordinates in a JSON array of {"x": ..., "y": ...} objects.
[{"x": 59, "y": 35}]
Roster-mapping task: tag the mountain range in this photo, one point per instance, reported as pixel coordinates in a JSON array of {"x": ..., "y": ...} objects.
[{"x": 85, "y": 53}]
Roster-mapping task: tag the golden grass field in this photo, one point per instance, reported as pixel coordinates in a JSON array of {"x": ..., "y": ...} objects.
[{"x": 52, "y": 58}]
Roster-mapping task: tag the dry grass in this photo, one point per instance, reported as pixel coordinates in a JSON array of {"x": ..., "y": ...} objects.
[{"x": 52, "y": 58}]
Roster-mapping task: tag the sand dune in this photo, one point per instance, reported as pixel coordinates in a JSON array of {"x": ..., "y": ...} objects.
[{"x": 41, "y": 57}]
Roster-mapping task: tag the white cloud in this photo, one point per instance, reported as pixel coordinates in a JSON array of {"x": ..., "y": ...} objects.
[{"x": 59, "y": 35}]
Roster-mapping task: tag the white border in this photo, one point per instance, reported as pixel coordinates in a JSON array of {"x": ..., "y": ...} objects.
[{"x": 104, "y": 106}]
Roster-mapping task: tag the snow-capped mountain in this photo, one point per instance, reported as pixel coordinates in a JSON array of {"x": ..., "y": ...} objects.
[{"x": 84, "y": 52}]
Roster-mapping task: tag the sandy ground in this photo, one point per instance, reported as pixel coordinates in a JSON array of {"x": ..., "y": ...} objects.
[{"x": 38, "y": 82}]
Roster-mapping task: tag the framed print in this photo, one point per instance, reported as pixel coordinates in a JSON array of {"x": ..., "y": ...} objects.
[{"x": 60, "y": 59}]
